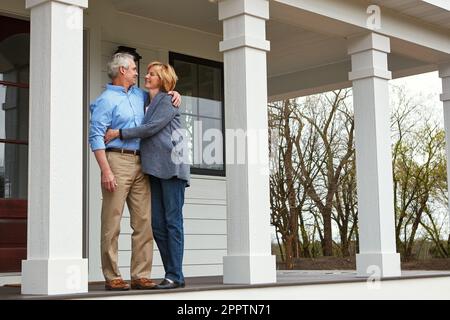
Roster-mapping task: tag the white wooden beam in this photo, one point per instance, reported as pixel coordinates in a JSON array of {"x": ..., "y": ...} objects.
[
  {"x": 54, "y": 263},
  {"x": 445, "y": 4},
  {"x": 392, "y": 24},
  {"x": 334, "y": 77}
]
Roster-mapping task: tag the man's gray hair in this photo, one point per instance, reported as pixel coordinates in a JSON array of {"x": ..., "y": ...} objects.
[{"x": 117, "y": 61}]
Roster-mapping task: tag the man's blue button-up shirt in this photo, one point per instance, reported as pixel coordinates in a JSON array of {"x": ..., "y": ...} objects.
[{"x": 116, "y": 109}]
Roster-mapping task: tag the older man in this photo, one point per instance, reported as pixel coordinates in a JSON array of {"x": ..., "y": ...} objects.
[{"x": 122, "y": 106}]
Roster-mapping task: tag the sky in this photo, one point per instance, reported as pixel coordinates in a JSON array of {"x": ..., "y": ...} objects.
[{"x": 425, "y": 84}]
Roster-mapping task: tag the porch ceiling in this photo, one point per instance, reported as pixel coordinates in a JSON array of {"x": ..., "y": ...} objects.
[
  {"x": 303, "y": 42},
  {"x": 428, "y": 11},
  {"x": 203, "y": 13},
  {"x": 297, "y": 42}
]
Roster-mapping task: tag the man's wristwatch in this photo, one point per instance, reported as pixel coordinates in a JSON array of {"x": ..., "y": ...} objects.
[{"x": 120, "y": 134}]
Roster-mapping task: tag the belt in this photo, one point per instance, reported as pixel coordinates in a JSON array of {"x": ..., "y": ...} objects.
[{"x": 124, "y": 151}]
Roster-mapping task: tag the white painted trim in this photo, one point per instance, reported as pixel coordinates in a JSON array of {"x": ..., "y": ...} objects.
[
  {"x": 444, "y": 4},
  {"x": 372, "y": 41},
  {"x": 79, "y": 3},
  {"x": 244, "y": 41},
  {"x": 393, "y": 24},
  {"x": 370, "y": 72},
  {"x": 444, "y": 73},
  {"x": 204, "y": 177},
  {"x": 444, "y": 70},
  {"x": 231, "y": 8},
  {"x": 326, "y": 78},
  {"x": 10, "y": 278},
  {"x": 55, "y": 276}
]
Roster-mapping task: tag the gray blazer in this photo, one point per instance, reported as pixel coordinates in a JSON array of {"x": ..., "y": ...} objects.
[{"x": 164, "y": 152}]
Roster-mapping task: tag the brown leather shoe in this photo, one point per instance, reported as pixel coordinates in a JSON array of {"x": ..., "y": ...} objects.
[
  {"x": 117, "y": 285},
  {"x": 142, "y": 284}
]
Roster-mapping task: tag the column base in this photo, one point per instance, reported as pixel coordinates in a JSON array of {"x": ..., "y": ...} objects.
[
  {"x": 382, "y": 265},
  {"x": 53, "y": 277},
  {"x": 249, "y": 269}
]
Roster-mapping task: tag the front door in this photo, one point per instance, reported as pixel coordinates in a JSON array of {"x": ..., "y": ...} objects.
[{"x": 14, "y": 102}]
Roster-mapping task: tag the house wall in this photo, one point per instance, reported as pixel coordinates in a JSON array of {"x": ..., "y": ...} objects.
[{"x": 205, "y": 208}]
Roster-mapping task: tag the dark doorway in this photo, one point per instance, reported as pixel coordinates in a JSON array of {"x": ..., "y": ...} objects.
[{"x": 14, "y": 115}]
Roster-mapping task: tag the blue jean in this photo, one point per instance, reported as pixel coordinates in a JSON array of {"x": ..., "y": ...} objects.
[{"x": 167, "y": 224}]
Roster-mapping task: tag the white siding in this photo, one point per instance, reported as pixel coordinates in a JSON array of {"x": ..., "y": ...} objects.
[
  {"x": 205, "y": 228},
  {"x": 205, "y": 208}
]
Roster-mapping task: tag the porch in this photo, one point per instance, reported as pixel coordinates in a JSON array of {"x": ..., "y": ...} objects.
[
  {"x": 290, "y": 285},
  {"x": 316, "y": 45}
]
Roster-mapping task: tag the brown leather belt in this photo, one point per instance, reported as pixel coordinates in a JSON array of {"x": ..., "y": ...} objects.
[{"x": 124, "y": 151}]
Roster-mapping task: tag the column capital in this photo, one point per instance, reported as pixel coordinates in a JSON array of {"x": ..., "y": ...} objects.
[
  {"x": 232, "y": 8},
  {"x": 445, "y": 97},
  {"x": 444, "y": 70},
  {"x": 244, "y": 41},
  {"x": 444, "y": 73},
  {"x": 370, "y": 41},
  {"x": 79, "y": 3},
  {"x": 370, "y": 73}
]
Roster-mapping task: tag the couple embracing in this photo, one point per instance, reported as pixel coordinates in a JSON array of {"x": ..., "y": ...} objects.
[{"x": 132, "y": 136}]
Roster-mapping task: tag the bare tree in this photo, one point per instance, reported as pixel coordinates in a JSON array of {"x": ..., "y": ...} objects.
[
  {"x": 418, "y": 170},
  {"x": 315, "y": 145},
  {"x": 330, "y": 120}
]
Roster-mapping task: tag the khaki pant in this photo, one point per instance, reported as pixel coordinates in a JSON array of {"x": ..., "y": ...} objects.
[{"x": 134, "y": 189}]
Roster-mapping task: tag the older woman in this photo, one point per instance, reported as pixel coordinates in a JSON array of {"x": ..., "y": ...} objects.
[{"x": 162, "y": 159}]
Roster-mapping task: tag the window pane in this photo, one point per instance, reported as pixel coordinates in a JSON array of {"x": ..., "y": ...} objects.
[
  {"x": 210, "y": 83},
  {"x": 212, "y": 134},
  {"x": 188, "y": 123},
  {"x": 189, "y": 105},
  {"x": 13, "y": 171},
  {"x": 188, "y": 83},
  {"x": 14, "y": 69},
  {"x": 14, "y": 115},
  {"x": 15, "y": 58},
  {"x": 210, "y": 108}
]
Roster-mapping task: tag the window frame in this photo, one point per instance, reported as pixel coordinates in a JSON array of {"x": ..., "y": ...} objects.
[
  {"x": 6, "y": 84},
  {"x": 214, "y": 64}
]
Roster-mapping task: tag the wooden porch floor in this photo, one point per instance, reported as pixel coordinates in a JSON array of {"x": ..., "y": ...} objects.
[{"x": 202, "y": 284}]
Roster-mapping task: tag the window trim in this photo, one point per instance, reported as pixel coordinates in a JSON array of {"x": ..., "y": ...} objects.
[
  {"x": 14, "y": 84},
  {"x": 17, "y": 142},
  {"x": 219, "y": 65},
  {"x": 3, "y": 140}
]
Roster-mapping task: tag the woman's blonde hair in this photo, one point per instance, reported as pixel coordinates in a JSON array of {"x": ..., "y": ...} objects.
[{"x": 166, "y": 74}]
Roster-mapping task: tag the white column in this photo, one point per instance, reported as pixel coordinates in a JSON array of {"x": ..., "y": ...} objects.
[
  {"x": 249, "y": 259},
  {"x": 54, "y": 264},
  {"x": 444, "y": 73},
  {"x": 370, "y": 75}
]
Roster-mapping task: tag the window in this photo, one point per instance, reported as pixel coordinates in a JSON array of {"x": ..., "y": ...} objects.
[{"x": 201, "y": 85}]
